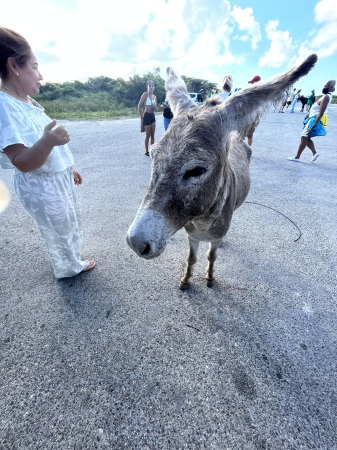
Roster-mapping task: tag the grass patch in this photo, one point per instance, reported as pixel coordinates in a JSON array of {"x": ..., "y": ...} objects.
[{"x": 92, "y": 115}]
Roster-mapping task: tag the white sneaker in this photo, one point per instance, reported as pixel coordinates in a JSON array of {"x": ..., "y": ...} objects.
[
  {"x": 292, "y": 158},
  {"x": 316, "y": 155}
]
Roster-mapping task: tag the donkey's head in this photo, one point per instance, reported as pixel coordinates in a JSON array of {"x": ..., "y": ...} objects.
[{"x": 193, "y": 161}]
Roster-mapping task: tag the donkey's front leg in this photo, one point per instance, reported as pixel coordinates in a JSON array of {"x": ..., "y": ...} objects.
[
  {"x": 191, "y": 260},
  {"x": 211, "y": 256}
]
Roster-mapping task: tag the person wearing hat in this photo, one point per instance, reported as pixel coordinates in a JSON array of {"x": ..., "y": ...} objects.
[
  {"x": 255, "y": 79},
  {"x": 249, "y": 136}
]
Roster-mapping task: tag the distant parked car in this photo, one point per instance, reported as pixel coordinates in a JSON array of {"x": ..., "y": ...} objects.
[{"x": 197, "y": 97}]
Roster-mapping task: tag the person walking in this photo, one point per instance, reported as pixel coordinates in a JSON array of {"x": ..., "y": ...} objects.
[
  {"x": 295, "y": 101},
  {"x": 313, "y": 127},
  {"x": 146, "y": 107},
  {"x": 37, "y": 149}
]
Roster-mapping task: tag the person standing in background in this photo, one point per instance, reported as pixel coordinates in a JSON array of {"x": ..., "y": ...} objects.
[
  {"x": 146, "y": 107},
  {"x": 295, "y": 101},
  {"x": 167, "y": 113},
  {"x": 290, "y": 97},
  {"x": 227, "y": 86},
  {"x": 37, "y": 148},
  {"x": 311, "y": 100}
]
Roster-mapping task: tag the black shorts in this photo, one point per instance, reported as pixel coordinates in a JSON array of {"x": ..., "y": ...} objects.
[{"x": 149, "y": 118}]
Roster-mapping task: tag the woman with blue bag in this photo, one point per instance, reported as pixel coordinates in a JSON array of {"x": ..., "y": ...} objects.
[{"x": 316, "y": 122}]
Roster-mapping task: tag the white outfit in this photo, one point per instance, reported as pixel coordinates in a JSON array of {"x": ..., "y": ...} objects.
[
  {"x": 314, "y": 110},
  {"x": 151, "y": 102},
  {"x": 291, "y": 96},
  {"x": 47, "y": 193},
  {"x": 224, "y": 94}
]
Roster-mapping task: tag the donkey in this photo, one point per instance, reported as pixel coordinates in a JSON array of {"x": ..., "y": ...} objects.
[
  {"x": 303, "y": 100},
  {"x": 200, "y": 168}
]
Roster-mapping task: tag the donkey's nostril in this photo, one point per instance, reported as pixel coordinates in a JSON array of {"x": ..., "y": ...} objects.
[{"x": 146, "y": 250}]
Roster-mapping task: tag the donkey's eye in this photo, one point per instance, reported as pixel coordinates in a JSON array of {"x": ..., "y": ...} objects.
[{"x": 194, "y": 173}]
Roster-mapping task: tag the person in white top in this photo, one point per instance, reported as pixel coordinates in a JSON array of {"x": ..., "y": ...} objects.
[
  {"x": 146, "y": 107},
  {"x": 295, "y": 100},
  {"x": 291, "y": 97},
  {"x": 313, "y": 127},
  {"x": 227, "y": 85},
  {"x": 36, "y": 148}
]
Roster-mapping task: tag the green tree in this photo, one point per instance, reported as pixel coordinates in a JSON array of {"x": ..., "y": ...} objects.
[
  {"x": 100, "y": 84},
  {"x": 107, "y": 96}
]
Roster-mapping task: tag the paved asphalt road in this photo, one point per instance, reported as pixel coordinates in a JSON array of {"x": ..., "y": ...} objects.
[{"x": 120, "y": 358}]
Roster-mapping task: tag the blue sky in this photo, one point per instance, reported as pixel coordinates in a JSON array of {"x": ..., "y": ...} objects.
[{"x": 78, "y": 39}]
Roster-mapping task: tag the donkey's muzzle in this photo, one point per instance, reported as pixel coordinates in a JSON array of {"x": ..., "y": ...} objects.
[{"x": 148, "y": 234}]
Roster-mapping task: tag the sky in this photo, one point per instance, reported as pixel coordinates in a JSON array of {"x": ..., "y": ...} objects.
[{"x": 207, "y": 39}]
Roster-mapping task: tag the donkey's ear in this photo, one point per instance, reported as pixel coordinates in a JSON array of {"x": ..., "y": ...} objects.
[
  {"x": 244, "y": 109},
  {"x": 177, "y": 94}
]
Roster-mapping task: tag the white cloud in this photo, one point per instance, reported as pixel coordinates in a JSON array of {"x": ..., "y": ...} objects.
[
  {"x": 326, "y": 11},
  {"x": 78, "y": 39},
  {"x": 243, "y": 38},
  {"x": 302, "y": 53},
  {"x": 280, "y": 46},
  {"x": 321, "y": 40},
  {"x": 81, "y": 41},
  {"x": 246, "y": 22},
  {"x": 189, "y": 35},
  {"x": 324, "y": 41}
]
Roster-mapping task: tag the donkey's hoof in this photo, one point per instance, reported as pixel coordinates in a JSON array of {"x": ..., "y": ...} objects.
[
  {"x": 184, "y": 286},
  {"x": 210, "y": 283}
]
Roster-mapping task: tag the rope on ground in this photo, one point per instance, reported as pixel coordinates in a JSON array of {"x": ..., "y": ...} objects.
[{"x": 269, "y": 207}]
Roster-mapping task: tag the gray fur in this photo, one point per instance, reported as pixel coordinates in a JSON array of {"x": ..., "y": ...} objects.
[{"x": 200, "y": 167}]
